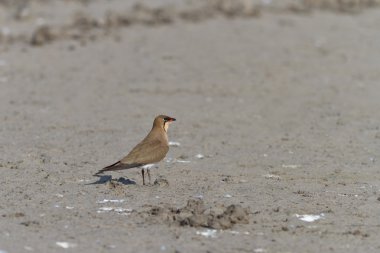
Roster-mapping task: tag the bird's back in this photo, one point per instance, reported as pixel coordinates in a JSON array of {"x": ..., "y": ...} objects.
[{"x": 152, "y": 149}]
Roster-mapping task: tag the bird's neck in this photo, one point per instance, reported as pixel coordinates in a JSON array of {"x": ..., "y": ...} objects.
[{"x": 159, "y": 133}]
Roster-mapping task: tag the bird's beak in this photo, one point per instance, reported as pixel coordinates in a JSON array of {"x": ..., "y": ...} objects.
[{"x": 172, "y": 119}]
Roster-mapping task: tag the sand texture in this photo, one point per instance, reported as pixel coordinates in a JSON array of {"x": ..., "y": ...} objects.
[{"x": 276, "y": 146}]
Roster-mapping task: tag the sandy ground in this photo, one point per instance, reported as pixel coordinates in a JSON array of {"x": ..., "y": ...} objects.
[{"x": 281, "y": 101}]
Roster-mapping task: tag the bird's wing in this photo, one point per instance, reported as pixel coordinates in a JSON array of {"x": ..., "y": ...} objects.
[
  {"x": 147, "y": 151},
  {"x": 117, "y": 166}
]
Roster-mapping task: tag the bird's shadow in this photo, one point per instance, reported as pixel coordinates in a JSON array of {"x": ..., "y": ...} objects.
[{"x": 107, "y": 178}]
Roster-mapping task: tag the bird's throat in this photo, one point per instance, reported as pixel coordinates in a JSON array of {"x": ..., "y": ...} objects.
[{"x": 166, "y": 126}]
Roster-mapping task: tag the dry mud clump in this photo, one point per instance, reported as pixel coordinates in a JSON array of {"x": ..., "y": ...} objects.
[
  {"x": 195, "y": 214},
  {"x": 42, "y": 35}
]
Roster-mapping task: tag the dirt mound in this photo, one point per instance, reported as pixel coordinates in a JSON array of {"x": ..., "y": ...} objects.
[{"x": 195, "y": 214}]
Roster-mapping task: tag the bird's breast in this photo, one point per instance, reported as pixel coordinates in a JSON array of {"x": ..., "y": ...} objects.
[{"x": 149, "y": 166}]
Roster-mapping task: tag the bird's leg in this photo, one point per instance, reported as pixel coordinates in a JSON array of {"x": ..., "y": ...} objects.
[
  {"x": 142, "y": 173},
  {"x": 148, "y": 171}
]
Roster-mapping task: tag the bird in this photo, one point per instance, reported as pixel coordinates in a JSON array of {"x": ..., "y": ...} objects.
[{"x": 151, "y": 150}]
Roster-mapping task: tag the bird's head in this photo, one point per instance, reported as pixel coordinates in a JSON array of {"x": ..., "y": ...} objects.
[{"x": 163, "y": 121}]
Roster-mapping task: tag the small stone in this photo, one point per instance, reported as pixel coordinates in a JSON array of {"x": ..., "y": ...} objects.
[
  {"x": 183, "y": 157},
  {"x": 29, "y": 223}
]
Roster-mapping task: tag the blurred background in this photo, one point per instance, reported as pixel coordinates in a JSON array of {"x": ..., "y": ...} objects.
[{"x": 277, "y": 107}]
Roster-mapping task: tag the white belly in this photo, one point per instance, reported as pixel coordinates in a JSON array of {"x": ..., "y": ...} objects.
[{"x": 149, "y": 166}]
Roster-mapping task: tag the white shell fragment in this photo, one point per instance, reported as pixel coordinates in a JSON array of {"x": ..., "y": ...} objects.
[
  {"x": 182, "y": 161},
  {"x": 173, "y": 160},
  {"x": 238, "y": 233},
  {"x": 209, "y": 233},
  {"x": 110, "y": 201},
  {"x": 66, "y": 245},
  {"x": 200, "y": 156},
  {"x": 119, "y": 210},
  {"x": 310, "y": 217}
]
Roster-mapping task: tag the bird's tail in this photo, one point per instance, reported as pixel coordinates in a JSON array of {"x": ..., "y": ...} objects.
[{"x": 108, "y": 168}]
